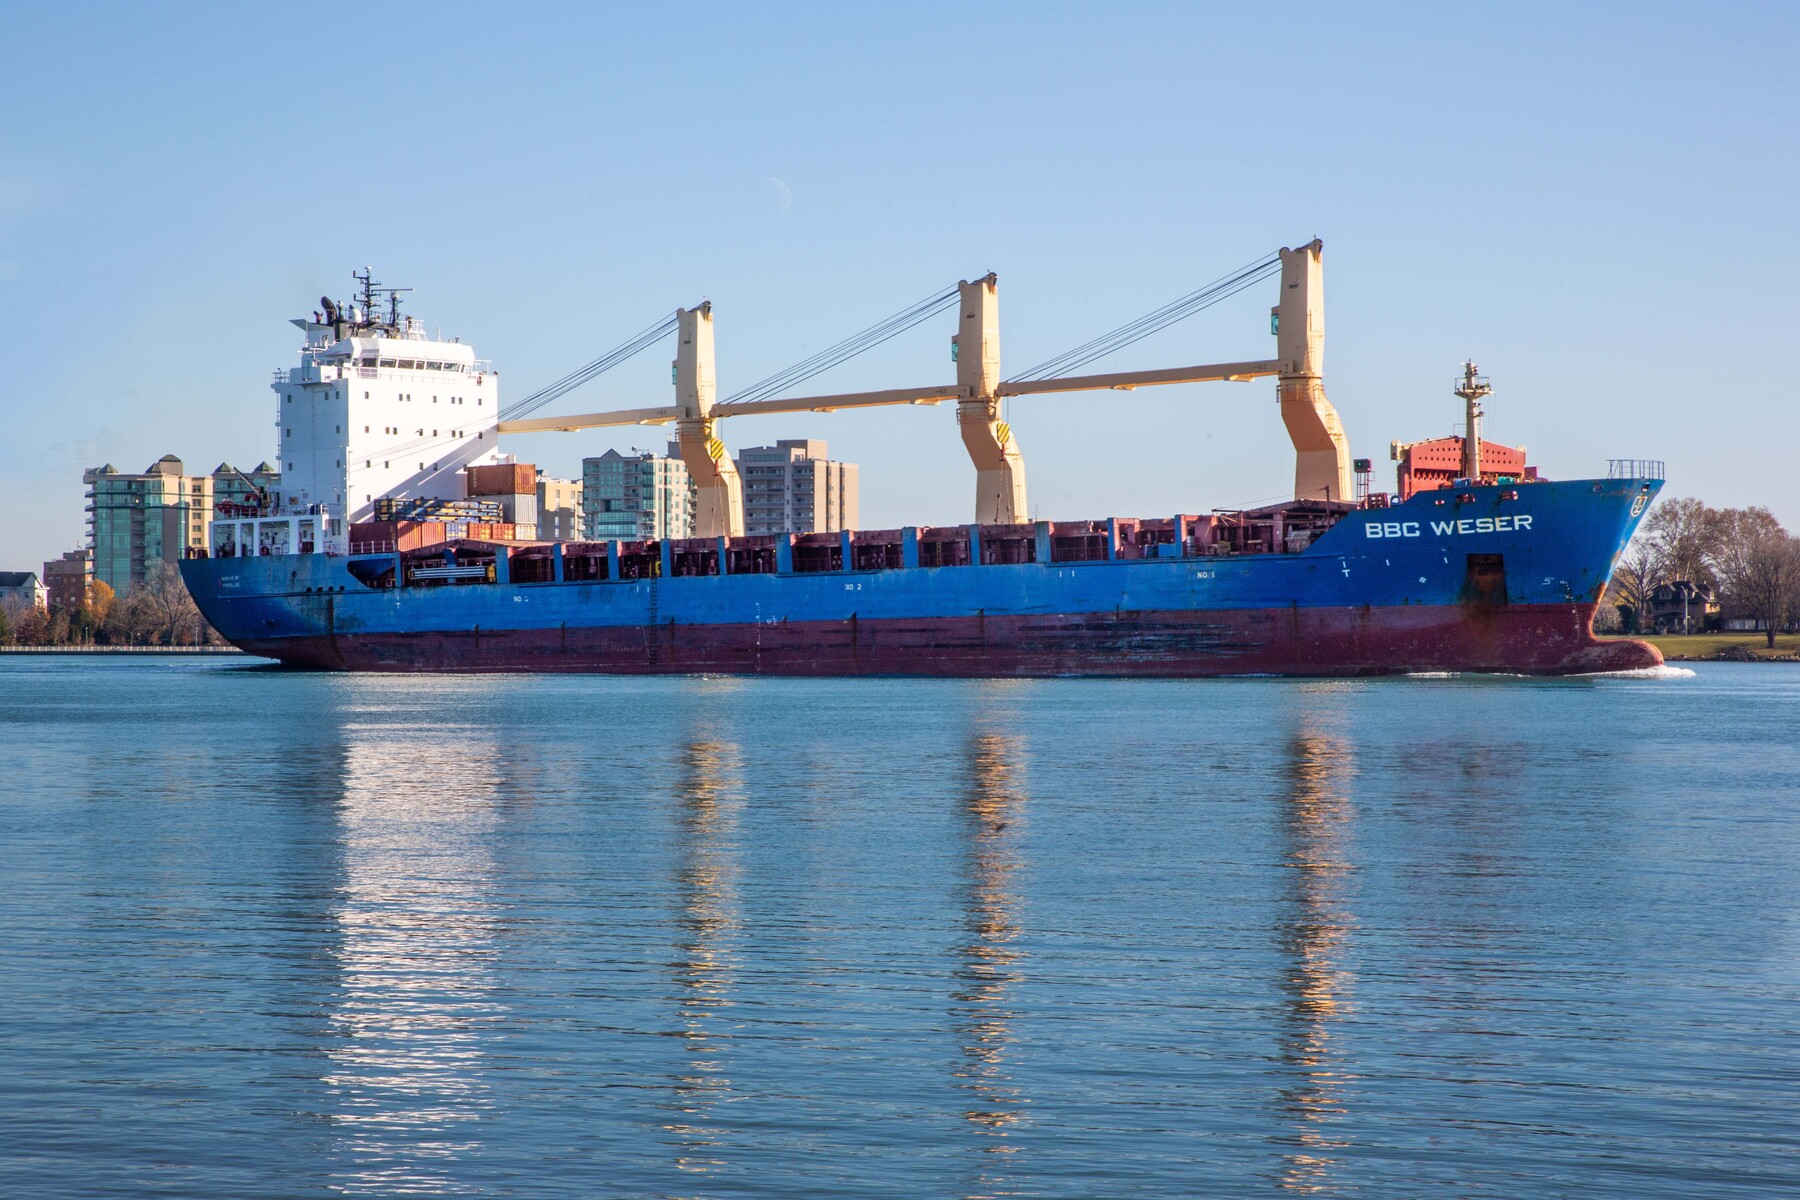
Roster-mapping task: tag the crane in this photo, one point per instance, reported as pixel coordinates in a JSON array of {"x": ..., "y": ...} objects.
[
  {"x": 254, "y": 496},
  {"x": 1322, "y": 454}
]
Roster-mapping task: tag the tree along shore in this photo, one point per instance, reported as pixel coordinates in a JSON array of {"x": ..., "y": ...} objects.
[
  {"x": 1741, "y": 555},
  {"x": 158, "y": 612}
]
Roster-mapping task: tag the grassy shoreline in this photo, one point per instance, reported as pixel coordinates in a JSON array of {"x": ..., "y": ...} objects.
[{"x": 1678, "y": 647}]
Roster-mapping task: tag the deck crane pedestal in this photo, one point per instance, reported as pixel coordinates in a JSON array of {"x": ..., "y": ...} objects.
[
  {"x": 719, "y": 507},
  {"x": 1322, "y": 452},
  {"x": 999, "y": 467}
]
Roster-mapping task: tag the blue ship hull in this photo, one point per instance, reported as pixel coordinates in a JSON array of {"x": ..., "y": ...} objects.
[{"x": 1478, "y": 579}]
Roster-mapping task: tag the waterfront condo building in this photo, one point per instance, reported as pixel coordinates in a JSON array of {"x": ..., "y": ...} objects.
[
  {"x": 156, "y": 516},
  {"x": 560, "y": 518},
  {"x": 791, "y": 487},
  {"x": 636, "y": 497},
  {"x": 67, "y": 579}
]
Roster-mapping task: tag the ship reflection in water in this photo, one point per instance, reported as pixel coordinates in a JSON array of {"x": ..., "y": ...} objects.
[
  {"x": 990, "y": 958},
  {"x": 705, "y": 966},
  {"x": 416, "y": 923},
  {"x": 1316, "y": 818}
]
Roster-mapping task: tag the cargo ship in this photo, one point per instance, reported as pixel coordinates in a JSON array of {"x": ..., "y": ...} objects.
[{"x": 1474, "y": 563}]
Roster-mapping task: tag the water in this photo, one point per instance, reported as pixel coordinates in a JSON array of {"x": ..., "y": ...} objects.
[{"x": 270, "y": 934}]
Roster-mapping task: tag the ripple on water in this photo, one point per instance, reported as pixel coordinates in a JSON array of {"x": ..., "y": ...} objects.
[{"x": 275, "y": 934}]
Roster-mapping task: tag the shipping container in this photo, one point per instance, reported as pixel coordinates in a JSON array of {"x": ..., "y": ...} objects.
[
  {"x": 380, "y": 537},
  {"x": 503, "y": 479},
  {"x": 427, "y": 508}
]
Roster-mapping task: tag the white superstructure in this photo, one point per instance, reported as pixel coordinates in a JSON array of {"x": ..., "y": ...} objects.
[{"x": 377, "y": 408}]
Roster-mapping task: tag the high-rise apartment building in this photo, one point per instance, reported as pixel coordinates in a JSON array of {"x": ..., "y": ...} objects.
[
  {"x": 137, "y": 520},
  {"x": 791, "y": 487},
  {"x": 637, "y": 497}
]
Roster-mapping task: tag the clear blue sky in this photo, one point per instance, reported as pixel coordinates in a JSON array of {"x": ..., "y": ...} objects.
[{"x": 1594, "y": 201}]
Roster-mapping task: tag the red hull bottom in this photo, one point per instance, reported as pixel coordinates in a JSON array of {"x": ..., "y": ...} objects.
[{"x": 1522, "y": 639}]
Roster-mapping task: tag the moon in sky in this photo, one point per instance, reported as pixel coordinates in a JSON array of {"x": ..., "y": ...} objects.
[{"x": 784, "y": 195}]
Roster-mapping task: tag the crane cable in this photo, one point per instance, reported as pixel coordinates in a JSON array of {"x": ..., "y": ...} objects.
[
  {"x": 574, "y": 379},
  {"x": 1154, "y": 322},
  {"x": 847, "y": 349}
]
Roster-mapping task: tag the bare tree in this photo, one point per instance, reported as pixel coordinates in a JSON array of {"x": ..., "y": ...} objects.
[
  {"x": 1686, "y": 534},
  {"x": 1758, "y": 565},
  {"x": 128, "y": 621},
  {"x": 1640, "y": 571},
  {"x": 33, "y": 628},
  {"x": 25, "y": 622},
  {"x": 161, "y": 611}
]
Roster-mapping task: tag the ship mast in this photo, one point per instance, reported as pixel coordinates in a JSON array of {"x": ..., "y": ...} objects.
[
  {"x": 1472, "y": 387},
  {"x": 372, "y": 292}
]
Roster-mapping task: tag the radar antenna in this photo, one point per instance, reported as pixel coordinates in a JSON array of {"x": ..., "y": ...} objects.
[{"x": 371, "y": 290}]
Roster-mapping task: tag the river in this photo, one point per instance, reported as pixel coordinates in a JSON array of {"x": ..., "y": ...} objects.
[{"x": 272, "y": 934}]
